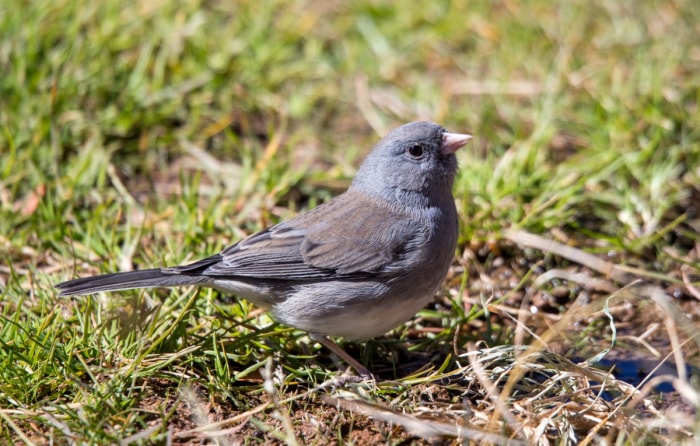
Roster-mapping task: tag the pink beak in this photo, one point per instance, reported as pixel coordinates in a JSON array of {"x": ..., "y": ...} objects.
[{"x": 451, "y": 142}]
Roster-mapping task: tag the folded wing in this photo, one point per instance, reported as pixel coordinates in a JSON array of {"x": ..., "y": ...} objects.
[{"x": 309, "y": 247}]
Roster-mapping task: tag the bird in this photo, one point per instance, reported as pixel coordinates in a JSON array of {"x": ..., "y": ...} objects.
[{"x": 354, "y": 267}]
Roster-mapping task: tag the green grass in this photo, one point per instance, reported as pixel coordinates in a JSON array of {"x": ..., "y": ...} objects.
[{"x": 137, "y": 135}]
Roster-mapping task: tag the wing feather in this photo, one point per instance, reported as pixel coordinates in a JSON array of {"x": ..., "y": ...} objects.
[{"x": 326, "y": 243}]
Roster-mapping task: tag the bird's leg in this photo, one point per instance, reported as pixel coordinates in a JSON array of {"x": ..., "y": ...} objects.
[{"x": 345, "y": 356}]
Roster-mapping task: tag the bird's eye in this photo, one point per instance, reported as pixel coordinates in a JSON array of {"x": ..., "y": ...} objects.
[{"x": 415, "y": 150}]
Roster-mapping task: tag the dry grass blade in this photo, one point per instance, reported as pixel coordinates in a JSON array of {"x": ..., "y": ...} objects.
[
  {"x": 424, "y": 428},
  {"x": 552, "y": 394},
  {"x": 575, "y": 255}
]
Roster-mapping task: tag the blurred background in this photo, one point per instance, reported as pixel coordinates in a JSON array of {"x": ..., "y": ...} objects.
[{"x": 261, "y": 101}]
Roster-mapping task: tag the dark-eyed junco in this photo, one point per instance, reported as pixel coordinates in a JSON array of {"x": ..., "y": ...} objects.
[{"x": 356, "y": 266}]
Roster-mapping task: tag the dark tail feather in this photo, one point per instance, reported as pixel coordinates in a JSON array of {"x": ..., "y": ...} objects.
[{"x": 147, "y": 278}]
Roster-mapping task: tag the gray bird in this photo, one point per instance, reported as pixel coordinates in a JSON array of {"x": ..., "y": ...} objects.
[{"x": 356, "y": 266}]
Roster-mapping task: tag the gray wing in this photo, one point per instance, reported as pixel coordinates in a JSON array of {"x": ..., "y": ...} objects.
[
  {"x": 364, "y": 237},
  {"x": 329, "y": 242}
]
